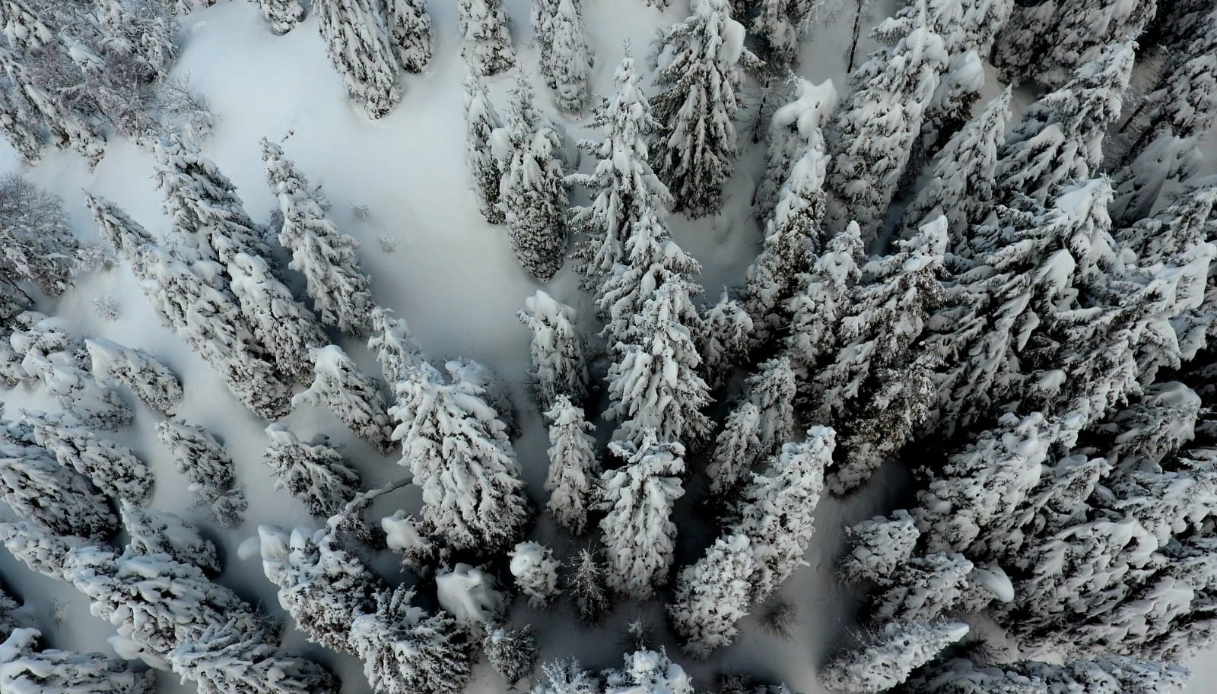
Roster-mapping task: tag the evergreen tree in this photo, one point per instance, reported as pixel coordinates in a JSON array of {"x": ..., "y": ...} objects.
[
  {"x": 757, "y": 427},
  {"x": 112, "y": 467},
  {"x": 511, "y": 652},
  {"x": 288, "y": 330},
  {"x": 339, "y": 288},
  {"x": 313, "y": 472},
  {"x": 726, "y": 333},
  {"x": 558, "y": 366},
  {"x": 20, "y": 122},
  {"x": 878, "y": 125},
  {"x": 794, "y": 130},
  {"x": 586, "y": 586},
  {"x": 47, "y": 85},
  {"x": 394, "y": 346},
  {"x": 823, "y": 299},
  {"x": 151, "y": 381},
  {"x": 891, "y": 655},
  {"x": 410, "y": 28},
  {"x": 573, "y": 465},
  {"x": 351, "y": 395},
  {"x": 639, "y": 534},
  {"x": 226, "y": 659},
  {"x": 481, "y": 121},
  {"x": 566, "y": 677},
  {"x": 28, "y": 668},
  {"x": 878, "y": 547},
  {"x": 536, "y": 572},
  {"x": 198, "y": 455},
  {"x": 1107, "y": 673},
  {"x": 282, "y": 15},
  {"x": 950, "y": 109},
  {"x": 922, "y": 589},
  {"x": 778, "y": 24},
  {"x": 649, "y": 671},
  {"x": 532, "y": 193},
  {"x": 624, "y": 186},
  {"x": 457, "y": 449},
  {"x": 42, "y": 551},
  {"x": 357, "y": 39},
  {"x": 80, "y": 396},
  {"x": 699, "y": 75},
  {"x": 566, "y": 58},
  {"x": 159, "y": 532},
  {"x": 37, "y": 239},
  {"x": 712, "y": 595},
  {"x": 487, "y": 41}
]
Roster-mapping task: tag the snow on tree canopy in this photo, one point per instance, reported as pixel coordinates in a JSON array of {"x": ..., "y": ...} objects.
[
  {"x": 151, "y": 381},
  {"x": 469, "y": 595},
  {"x": 350, "y": 394}
]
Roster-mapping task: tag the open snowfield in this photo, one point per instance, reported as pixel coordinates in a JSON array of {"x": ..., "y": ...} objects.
[{"x": 436, "y": 262}]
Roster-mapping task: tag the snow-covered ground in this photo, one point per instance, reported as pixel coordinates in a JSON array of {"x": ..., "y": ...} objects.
[{"x": 451, "y": 275}]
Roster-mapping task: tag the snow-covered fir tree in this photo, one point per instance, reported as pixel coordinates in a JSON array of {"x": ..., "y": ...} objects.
[
  {"x": 566, "y": 58},
  {"x": 511, "y": 652},
  {"x": 457, "y": 449},
  {"x": 1107, "y": 673},
  {"x": 891, "y": 655},
  {"x": 339, "y": 288},
  {"x": 136, "y": 370},
  {"x": 112, "y": 467},
  {"x": 286, "y": 329},
  {"x": 573, "y": 465},
  {"x": 152, "y": 531},
  {"x": 486, "y": 39},
  {"x": 49, "y": 495},
  {"x": 823, "y": 298},
  {"x": 410, "y": 28},
  {"x": 394, "y": 345},
  {"x": 145, "y": 30},
  {"x": 1060, "y": 137},
  {"x": 558, "y": 365},
  {"x": 404, "y": 650},
  {"x": 726, "y": 333},
  {"x": 352, "y": 396},
  {"x": 699, "y": 73},
  {"x": 794, "y": 130},
  {"x": 566, "y": 677},
  {"x": 472, "y": 377},
  {"x": 481, "y": 121},
  {"x": 533, "y": 193},
  {"x": 878, "y": 546},
  {"x": 80, "y": 396},
  {"x": 358, "y": 42},
  {"x": 313, "y": 471},
  {"x": 922, "y": 589},
  {"x": 655, "y": 384},
  {"x": 775, "y": 512},
  {"x": 20, "y": 123},
  {"x": 26, "y": 667},
  {"x": 586, "y": 586},
  {"x": 778, "y": 24},
  {"x": 282, "y": 15},
  {"x": 878, "y": 124},
  {"x": 203, "y": 459},
  {"x": 226, "y": 659},
  {"x": 38, "y": 243},
  {"x": 638, "y": 532},
  {"x": 950, "y": 109},
  {"x": 712, "y": 595},
  {"x": 757, "y": 427},
  {"x": 623, "y": 184},
  {"x": 536, "y": 572},
  {"x": 650, "y": 671},
  {"x": 46, "y": 90},
  {"x": 43, "y": 552}
]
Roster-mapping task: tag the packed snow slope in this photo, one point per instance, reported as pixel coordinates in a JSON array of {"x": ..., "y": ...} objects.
[{"x": 434, "y": 261}]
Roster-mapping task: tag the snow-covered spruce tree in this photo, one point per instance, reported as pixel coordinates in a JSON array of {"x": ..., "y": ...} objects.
[
  {"x": 712, "y": 595},
  {"x": 42, "y": 491},
  {"x": 287, "y": 330},
  {"x": 352, "y": 396},
  {"x": 793, "y": 240},
  {"x": 161, "y": 532},
  {"x": 963, "y": 182},
  {"x": 654, "y": 385},
  {"x": 313, "y": 472},
  {"x": 638, "y": 531},
  {"x": 922, "y": 589},
  {"x": 28, "y": 668},
  {"x": 481, "y": 120},
  {"x": 573, "y": 465},
  {"x": 356, "y": 35},
  {"x": 778, "y": 24},
  {"x": 339, "y": 288},
  {"x": 964, "y": 25},
  {"x": 205, "y": 317},
  {"x": 80, "y": 396},
  {"x": 113, "y": 468},
  {"x": 650, "y": 671},
  {"x": 151, "y": 381},
  {"x": 202, "y": 203},
  {"x": 726, "y": 330},
  {"x": 558, "y": 366},
  {"x": 823, "y": 299},
  {"x": 1046, "y": 42},
  {"x": 475, "y": 378},
  {"x": 282, "y": 15},
  {"x": 511, "y": 652},
  {"x": 26, "y": 28},
  {"x": 145, "y": 30},
  {"x": 699, "y": 74},
  {"x": 1060, "y": 138},
  {"x": 533, "y": 193},
  {"x": 1160, "y": 422},
  {"x": 890, "y": 656},
  {"x": 794, "y": 130},
  {"x": 776, "y": 508},
  {"x": 586, "y": 586},
  {"x": 405, "y": 651},
  {"x": 48, "y": 86},
  {"x": 224, "y": 659},
  {"x": 623, "y": 184},
  {"x": 198, "y": 455},
  {"x": 566, "y": 58},
  {"x": 457, "y": 449},
  {"x": 394, "y": 345},
  {"x": 157, "y": 603},
  {"x": 486, "y": 38},
  {"x": 1105, "y": 673},
  {"x": 410, "y": 28},
  {"x": 871, "y": 150},
  {"x": 566, "y": 677},
  {"x": 950, "y": 109},
  {"x": 652, "y": 260},
  {"x": 757, "y": 427},
  {"x": 878, "y": 547},
  {"x": 37, "y": 239},
  {"x": 42, "y": 551},
  {"x": 536, "y": 572},
  {"x": 20, "y": 123}
]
